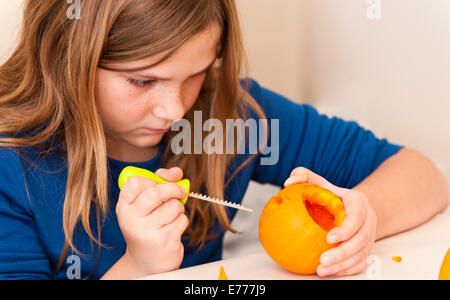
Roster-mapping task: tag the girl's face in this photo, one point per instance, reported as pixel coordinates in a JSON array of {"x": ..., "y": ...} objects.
[{"x": 136, "y": 109}]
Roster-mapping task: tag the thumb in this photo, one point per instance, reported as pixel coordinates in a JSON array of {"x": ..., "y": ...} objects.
[
  {"x": 303, "y": 175},
  {"x": 173, "y": 174}
]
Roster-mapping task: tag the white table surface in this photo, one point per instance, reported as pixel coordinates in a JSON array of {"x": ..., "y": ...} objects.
[{"x": 422, "y": 250}]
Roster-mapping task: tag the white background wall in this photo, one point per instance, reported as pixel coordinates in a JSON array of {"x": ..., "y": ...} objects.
[
  {"x": 392, "y": 75},
  {"x": 10, "y": 17}
]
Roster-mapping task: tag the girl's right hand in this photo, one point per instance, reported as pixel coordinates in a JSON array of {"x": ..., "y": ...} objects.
[{"x": 152, "y": 220}]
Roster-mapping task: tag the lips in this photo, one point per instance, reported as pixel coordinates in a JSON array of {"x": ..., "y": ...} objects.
[{"x": 156, "y": 131}]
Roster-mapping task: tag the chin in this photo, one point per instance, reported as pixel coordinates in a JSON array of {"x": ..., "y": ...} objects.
[{"x": 148, "y": 141}]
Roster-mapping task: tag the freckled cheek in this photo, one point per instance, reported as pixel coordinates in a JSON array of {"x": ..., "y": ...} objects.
[{"x": 119, "y": 107}]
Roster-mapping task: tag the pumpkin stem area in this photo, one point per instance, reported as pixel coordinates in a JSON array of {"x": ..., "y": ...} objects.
[{"x": 320, "y": 215}]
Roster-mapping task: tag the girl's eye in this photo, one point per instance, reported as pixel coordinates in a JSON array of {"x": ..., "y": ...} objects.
[{"x": 141, "y": 83}]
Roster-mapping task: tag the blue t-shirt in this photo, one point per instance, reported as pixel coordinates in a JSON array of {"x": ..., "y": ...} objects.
[{"x": 32, "y": 189}]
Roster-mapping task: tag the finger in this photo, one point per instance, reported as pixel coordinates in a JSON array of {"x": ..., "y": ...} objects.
[
  {"x": 353, "y": 260},
  {"x": 133, "y": 187},
  {"x": 152, "y": 198},
  {"x": 172, "y": 174},
  {"x": 166, "y": 213},
  {"x": 175, "y": 229},
  {"x": 356, "y": 208},
  {"x": 348, "y": 248},
  {"x": 356, "y": 269},
  {"x": 303, "y": 175}
]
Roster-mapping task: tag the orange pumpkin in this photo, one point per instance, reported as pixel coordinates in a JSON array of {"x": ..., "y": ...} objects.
[
  {"x": 397, "y": 258},
  {"x": 222, "y": 274},
  {"x": 444, "y": 273},
  {"x": 294, "y": 224}
]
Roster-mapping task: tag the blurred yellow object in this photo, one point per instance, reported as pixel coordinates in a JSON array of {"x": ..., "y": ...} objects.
[
  {"x": 397, "y": 258},
  {"x": 129, "y": 172},
  {"x": 222, "y": 275},
  {"x": 444, "y": 273}
]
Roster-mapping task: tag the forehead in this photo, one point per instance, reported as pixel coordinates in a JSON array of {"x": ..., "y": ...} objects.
[{"x": 197, "y": 53}]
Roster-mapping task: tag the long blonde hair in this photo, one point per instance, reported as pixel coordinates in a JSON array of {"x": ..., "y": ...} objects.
[{"x": 47, "y": 93}]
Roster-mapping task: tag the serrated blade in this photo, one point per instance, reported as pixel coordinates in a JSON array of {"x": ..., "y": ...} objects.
[{"x": 218, "y": 201}]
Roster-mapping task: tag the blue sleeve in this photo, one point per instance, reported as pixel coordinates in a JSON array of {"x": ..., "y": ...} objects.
[
  {"x": 21, "y": 254},
  {"x": 342, "y": 152}
]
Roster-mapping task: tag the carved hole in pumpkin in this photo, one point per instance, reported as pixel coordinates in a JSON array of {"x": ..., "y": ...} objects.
[{"x": 320, "y": 215}]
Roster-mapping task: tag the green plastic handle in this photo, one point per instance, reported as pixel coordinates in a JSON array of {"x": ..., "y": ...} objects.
[{"x": 129, "y": 172}]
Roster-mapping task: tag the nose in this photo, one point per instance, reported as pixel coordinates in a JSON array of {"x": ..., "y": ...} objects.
[{"x": 170, "y": 106}]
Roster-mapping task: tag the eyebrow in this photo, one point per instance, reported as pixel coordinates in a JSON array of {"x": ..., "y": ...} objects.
[{"x": 148, "y": 76}]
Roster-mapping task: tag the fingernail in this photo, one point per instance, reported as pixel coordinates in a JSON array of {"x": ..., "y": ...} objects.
[
  {"x": 322, "y": 271},
  {"x": 333, "y": 238},
  {"x": 327, "y": 260},
  {"x": 295, "y": 179},
  {"x": 288, "y": 181}
]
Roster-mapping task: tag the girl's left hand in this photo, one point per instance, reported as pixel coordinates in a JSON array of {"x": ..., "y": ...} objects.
[{"x": 356, "y": 234}]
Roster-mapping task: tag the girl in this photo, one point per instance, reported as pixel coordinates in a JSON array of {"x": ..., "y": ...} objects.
[{"x": 80, "y": 99}]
